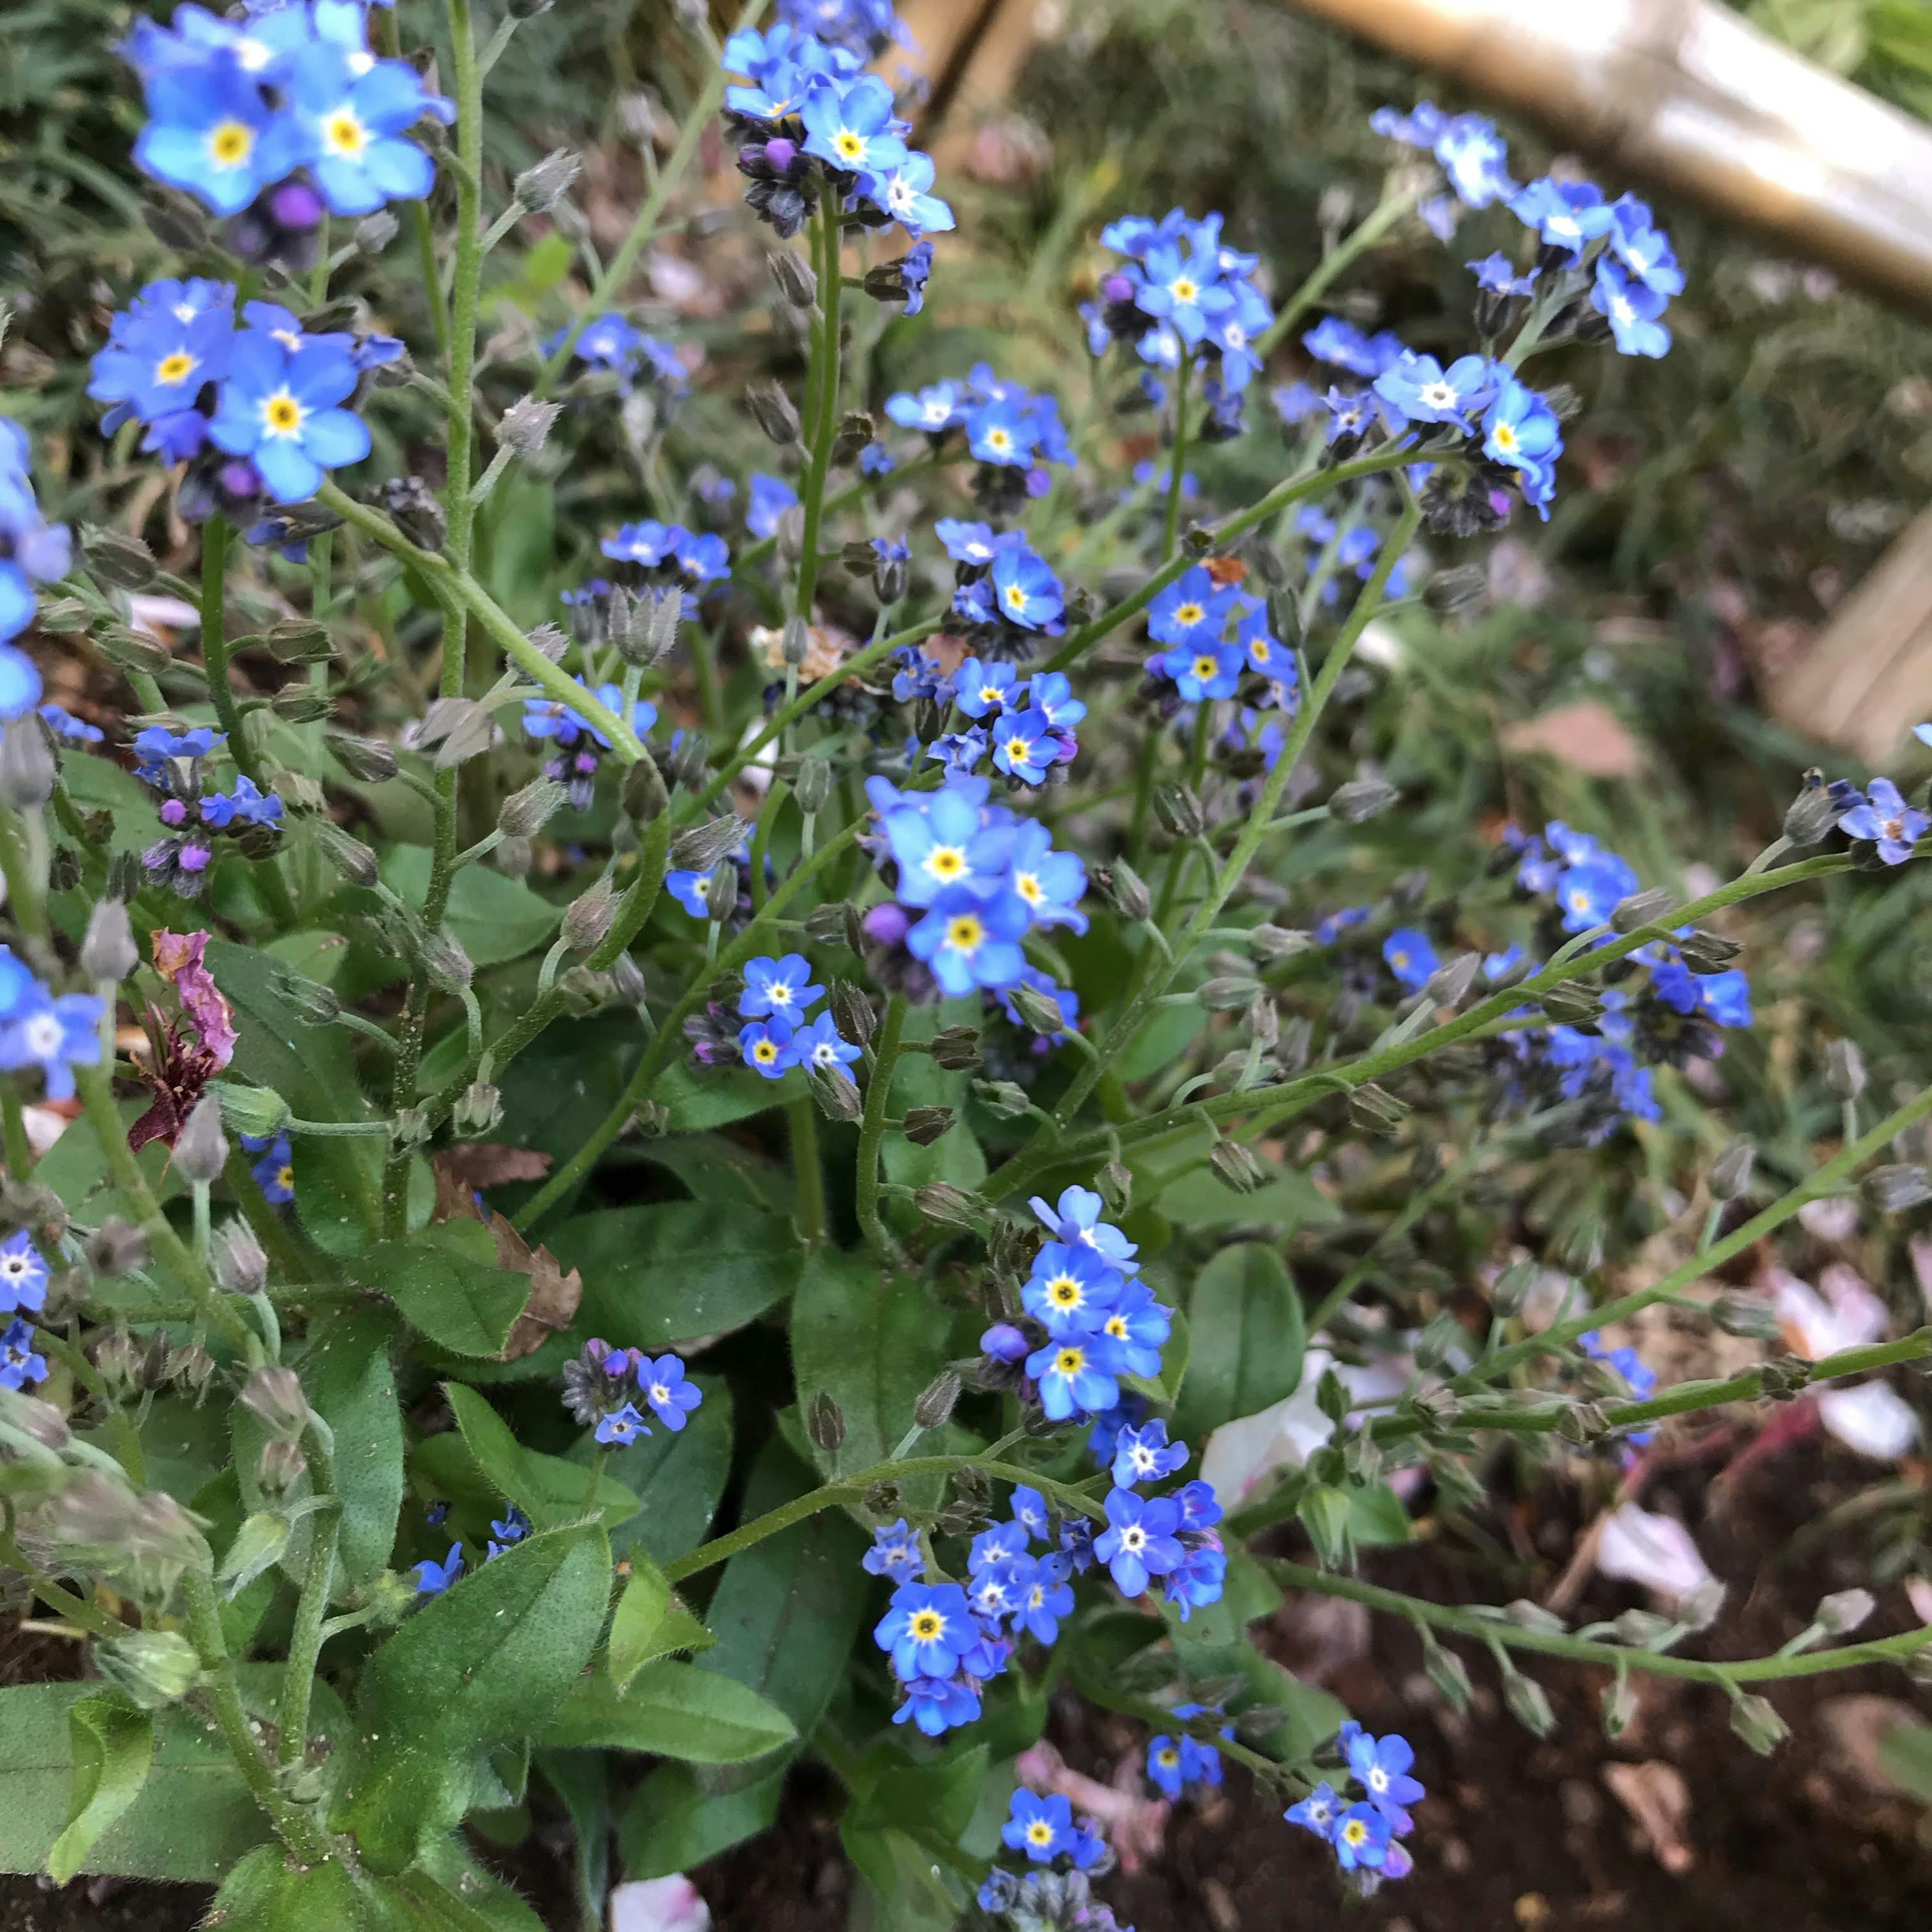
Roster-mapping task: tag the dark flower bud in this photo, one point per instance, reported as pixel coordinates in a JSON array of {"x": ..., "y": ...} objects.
[
  {"x": 1784, "y": 1377},
  {"x": 1002, "y": 1097},
  {"x": 1012, "y": 1247},
  {"x": 883, "y": 1500},
  {"x": 1449, "y": 985},
  {"x": 642, "y": 794},
  {"x": 27, "y": 769},
  {"x": 1263, "y": 1019},
  {"x": 1361, "y": 799},
  {"x": 1038, "y": 1009},
  {"x": 448, "y": 965},
  {"x": 948, "y": 1206},
  {"x": 1375, "y": 1110},
  {"x": 413, "y": 504},
  {"x": 1731, "y": 1171},
  {"x": 1121, "y": 887},
  {"x": 627, "y": 980},
  {"x": 545, "y": 183},
  {"x": 1707, "y": 951},
  {"x": 1236, "y": 1167},
  {"x": 956, "y": 1048},
  {"x": 1891, "y": 1190},
  {"x": 1270, "y": 944},
  {"x": 236, "y": 1257},
  {"x": 109, "y": 951},
  {"x": 836, "y": 1093},
  {"x": 296, "y": 704},
  {"x": 690, "y": 758},
  {"x": 934, "y": 1407},
  {"x": 721, "y": 890},
  {"x": 1812, "y": 813},
  {"x": 275, "y": 1394},
  {"x": 351, "y": 858},
  {"x": 124, "y": 877},
  {"x": 1756, "y": 1721},
  {"x": 796, "y": 281},
  {"x": 525, "y": 813},
  {"x": 117, "y": 558},
  {"x": 824, "y": 1422},
  {"x": 279, "y": 1468},
  {"x": 1571, "y": 1003},
  {"x": 855, "y": 430},
  {"x": 1226, "y": 994},
  {"x": 587, "y": 920},
  {"x": 1640, "y": 909},
  {"x": 925, "y": 1125},
  {"x": 853, "y": 1010},
  {"x": 479, "y": 1110},
  {"x": 1179, "y": 811},
  {"x": 201, "y": 1148},
  {"x": 772, "y": 410},
  {"x": 830, "y": 926},
  {"x": 116, "y": 1248},
  {"x": 1116, "y": 1186},
  {"x": 1738, "y": 1312},
  {"x": 1461, "y": 588},
  {"x": 299, "y": 640},
  {"x": 701, "y": 847},
  {"x": 371, "y": 760},
  {"x": 1845, "y": 1069},
  {"x": 63, "y": 869}
]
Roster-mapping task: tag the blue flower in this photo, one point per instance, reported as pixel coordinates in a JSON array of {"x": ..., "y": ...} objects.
[
  {"x": 1726, "y": 997},
  {"x": 915, "y": 271},
  {"x": 1644, "y": 249},
  {"x": 1046, "y": 1598},
  {"x": 610, "y": 342},
  {"x": 1380, "y": 1766},
  {"x": 1566, "y": 215},
  {"x": 934, "y": 409},
  {"x": 769, "y": 499},
  {"x": 246, "y": 804},
  {"x": 1024, "y": 747},
  {"x": 1145, "y": 1455},
  {"x": 274, "y": 1171},
  {"x": 1633, "y": 310},
  {"x": 211, "y": 132},
  {"x": 1139, "y": 1541},
  {"x": 1001, "y": 431},
  {"x": 763, "y": 1044},
  {"x": 171, "y": 339},
  {"x": 649, "y": 542},
  {"x": 1343, "y": 345},
  {"x": 1030, "y": 1513},
  {"x": 996, "y": 1589},
  {"x": 980, "y": 687},
  {"x": 1589, "y": 893},
  {"x": 19, "y": 1363},
  {"x": 622, "y": 1426},
  {"x": 1198, "y": 1580},
  {"x": 781, "y": 987},
  {"x": 1521, "y": 431},
  {"x": 703, "y": 558},
  {"x": 1139, "y": 1326},
  {"x": 1409, "y": 956},
  {"x": 1199, "y": 1507},
  {"x": 1183, "y": 289},
  {"x": 55, "y": 1035},
  {"x": 688, "y": 889},
  {"x": 818, "y": 1047},
  {"x": 938, "y": 1705},
  {"x": 1042, "y": 1827},
  {"x": 1051, "y": 883},
  {"x": 1076, "y": 1218},
  {"x": 513, "y": 1528},
  {"x": 353, "y": 121},
  {"x": 662, "y": 1385},
  {"x": 1191, "y": 611},
  {"x": 927, "y": 1630},
  {"x": 1050, "y": 692},
  {"x": 1069, "y": 1289},
  {"x": 1881, "y": 815},
  {"x": 1474, "y": 157},
  {"x": 1317, "y": 1812},
  {"x": 944, "y": 845},
  {"x": 1420, "y": 390},
  {"x": 1497, "y": 274},
  {"x": 851, "y": 126},
  {"x": 1076, "y": 1376},
  {"x": 970, "y": 938},
  {"x": 23, "y": 1274},
  {"x": 1003, "y": 1544},
  {"x": 1361, "y": 1837},
  {"x": 1163, "y": 1766},
  {"x": 277, "y": 407},
  {"x": 894, "y": 1552},
  {"x": 904, "y": 193},
  {"x": 1025, "y": 590},
  {"x": 433, "y": 1578},
  {"x": 1203, "y": 671}
]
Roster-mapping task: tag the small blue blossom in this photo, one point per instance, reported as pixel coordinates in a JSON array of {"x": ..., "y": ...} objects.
[
  {"x": 764, "y": 1045},
  {"x": 980, "y": 687},
  {"x": 894, "y": 1553},
  {"x": 1024, "y": 747},
  {"x": 19, "y": 1363},
  {"x": 1042, "y": 1828},
  {"x": 1145, "y": 1455},
  {"x": 1139, "y": 1326},
  {"x": 1202, "y": 672},
  {"x": 1198, "y": 1580},
  {"x": 1319, "y": 1812},
  {"x": 1076, "y": 1376},
  {"x": 1183, "y": 289},
  {"x": 688, "y": 889},
  {"x": 768, "y": 499},
  {"x": 1343, "y": 345},
  {"x": 1025, "y": 590},
  {"x": 433, "y": 1578},
  {"x": 1191, "y": 611},
  {"x": 1566, "y": 215},
  {"x": 663, "y": 1385},
  {"x": 938, "y": 1704},
  {"x": 622, "y": 1425},
  {"x": 1498, "y": 275},
  {"x": 1381, "y": 1766},
  {"x": 1361, "y": 1837},
  {"x": 1643, "y": 248},
  {"x": 928, "y": 1628},
  {"x": 1050, "y": 883},
  {"x": 55, "y": 1034},
  {"x": 1409, "y": 956},
  {"x": 934, "y": 409},
  {"x": 279, "y": 408},
  {"x": 274, "y": 1170},
  {"x": 1076, "y": 1218},
  {"x": 1139, "y": 1542},
  {"x": 1882, "y": 816},
  {"x": 851, "y": 126},
  {"x": 781, "y": 988},
  {"x": 970, "y": 938},
  {"x": 1046, "y": 1599},
  {"x": 1521, "y": 431},
  {"x": 1632, "y": 310},
  {"x": 905, "y": 193},
  {"x": 817, "y": 1047},
  {"x": 23, "y": 1274},
  {"x": 1419, "y": 389},
  {"x": 1070, "y": 1288}
]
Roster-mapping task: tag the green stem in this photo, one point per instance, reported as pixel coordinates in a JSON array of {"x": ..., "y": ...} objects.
[
  {"x": 843, "y": 500},
  {"x": 1374, "y": 226},
  {"x": 872, "y": 1128},
  {"x": 305, "y": 1640},
  {"x": 801, "y": 1115},
  {"x": 822, "y": 385},
  {"x": 1171, "y": 523},
  {"x": 25, "y": 897},
  {"x": 1584, "y": 1650},
  {"x": 19, "y": 1149}
]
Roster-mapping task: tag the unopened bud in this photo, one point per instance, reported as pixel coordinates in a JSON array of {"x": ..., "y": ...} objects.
[
  {"x": 1447, "y": 1671},
  {"x": 1527, "y": 1703},
  {"x": 296, "y": 704},
  {"x": 788, "y": 539},
  {"x": 63, "y": 869},
  {"x": 201, "y": 1148},
  {"x": 587, "y": 920},
  {"x": 855, "y": 430},
  {"x": 258, "y": 1547},
  {"x": 236, "y": 1257},
  {"x": 772, "y": 410},
  {"x": 701, "y": 848},
  {"x": 1845, "y": 1069},
  {"x": 1619, "y": 1707},
  {"x": 1375, "y": 1110},
  {"x": 795, "y": 642},
  {"x": 1002, "y": 1097},
  {"x": 526, "y": 425},
  {"x": 1707, "y": 951},
  {"x": 1116, "y": 1186},
  {"x": 690, "y": 757},
  {"x": 299, "y": 640},
  {"x": 109, "y": 951},
  {"x": 1512, "y": 1287},
  {"x": 1179, "y": 811},
  {"x": 275, "y": 1394},
  {"x": 934, "y": 1408},
  {"x": 956, "y": 1048},
  {"x": 1640, "y": 909},
  {"x": 1122, "y": 887},
  {"x": 1226, "y": 995},
  {"x": 250, "y": 1110},
  {"x": 374, "y": 232},
  {"x": 1325, "y": 1512},
  {"x": 479, "y": 1109},
  {"x": 513, "y": 858},
  {"x": 525, "y": 813},
  {"x": 356, "y": 863},
  {"x": 549, "y": 642},
  {"x": 1892, "y": 1189},
  {"x": 27, "y": 771},
  {"x": 1458, "y": 589},
  {"x": 1812, "y": 813},
  {"x": 828, "y": 925},
  {"x": 315, "y": 1004},
  {"x": 1361, "y": 799},
  {"x": 824, "y": 1422},
  {"x": 1236, "y": 1167},
  {"x": 116, "y": 1248},
  {"x": 796, "y": 281},
  {"x": 721, "y": 890},
  {"x": 371, "y": 760},
  {"x": 453, "y": 730},
  {"x": 152, "y": 1668},
  {"x": 1038, "y": 1010},
  {"x": 857, "y": 1021},
  {"x": 542, "y": 185},
  {"x": 627, "y": 980},
  {"x": 1731, "y": 1171},
  {"x": 643, "y": 795},
  {"x": 1756, "y": 1721},
  {"x": 447, "y": 964},
  {"x": 948, "y": 1206},
  {"x": 1738, "y": 1312},
  {"x": 925, "y": 1125},
  {"x": 836, "y": 1093},
  {"x": 1843, "y": 1611},
  {"x": 1263, "y": 1019},
  {"x": 813, "y": 785},
  {"x": 116, "y": 558},
  {"x": 280, "y": 1468},
  {"x": 1571, "y": 1003}
]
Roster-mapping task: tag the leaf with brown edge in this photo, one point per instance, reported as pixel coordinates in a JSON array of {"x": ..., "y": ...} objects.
[
  {"x": 554, "y": 1295},
  {"x": 462, "y": 1169}
]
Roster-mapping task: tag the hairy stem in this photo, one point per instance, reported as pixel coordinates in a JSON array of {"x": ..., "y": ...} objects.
[
  {"x": 872, "y": 1129},
  {"x": 312, "y": 1607}
]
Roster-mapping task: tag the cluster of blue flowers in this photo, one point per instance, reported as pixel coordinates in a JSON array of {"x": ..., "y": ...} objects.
[
  {"x": 1014, "y": 433},
  {"x": 260, "y": 406},
  {"x": 274, "y": 1167},
  {"x": 1045, "y": 1831},
  {"x": 603, "y": 1387},
  {"x": 1366, "y": 1833},
  {"x": 972, "y": 878},
  {"x": 54, "y": 1032},
  {"x": 237, "y": 108},
  {"x": 172, "y": 763},
  {"x": 1880, "y": 815},
  {"x": 816, "y": 123},
  {"x": 579, "y": 746},
  {"x": 776, "y": 1035},
  {"x": 1183, "y": 293},
  {"x": 610, "y": 344},
  {"x": 432, "y": 1578},
  {"x": 32, "y": 551},
  {"x": 1027, "y": 724},
  {"x": 23, "y": 1285},
  {"x": 1177, "y": 1765},
  {"x": 1213, "y": 630}
]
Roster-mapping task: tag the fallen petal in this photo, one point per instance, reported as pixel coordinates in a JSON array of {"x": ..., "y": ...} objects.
[
  {"x": 1872, "y": 1417},
  {"x": 1656, "y": 1551}
]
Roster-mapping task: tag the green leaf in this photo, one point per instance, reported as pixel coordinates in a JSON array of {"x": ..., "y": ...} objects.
[
  {"x": 351, "y": 1385},
  {"x": 650, "y": 1622},
  {"x": 1376, "y": 1516},
  {"x": 446, "y": 1282},
  {"x": 677, "y": 1477},
  {"x": 940, "y": 1796},
  {"x": 488, "y": 1901},
  {"x": 1162, "y": 1038},
  {"x": 1247, "y": 1339},
  {"x": 674, "y": 1710},
  {"x": 914, "y": 1891},
  {"x": 549, "y": 1490},
  {"x": 494, "y": 917},
  {"x": 657, "y": 1275},
  {"x": 786, "y": 1611},
  {"x": 714, "y": 1098},
  {"x": 266, "y": 1893},
  {"x": 311, "y": 1067},
  {"x": 192, "y": 1819},
  {"x": 113, "y": 1751},
  {"x": 1202, "y": 1199},
  {"x": 490, "y": 1660},
  {"x": 872, "y": 1341},
  {"x": 674, "y": 1823},
  {"x": 582, "y": 1780}
]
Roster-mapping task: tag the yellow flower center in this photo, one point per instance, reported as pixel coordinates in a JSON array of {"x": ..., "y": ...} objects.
[
  {"x": 1504, "y": 435},
  {"x": 1063, "y": 1292},
  {"x": 1117, "y": 1327},
  {"x": 927, "y": 1625},
  {"x": 230, "y": 143},
  {"x": 965, "y": 934},
  {"x": 1259, "y": 650},
  {"x": 1188, "y": 615},
  {"x": 1354, "y": 1831},
  {"x": 764, "y": 1052},
  {"x": 343, "y": 134},
  {"x": 1205, "y": 667},
  {"x": 1040, "y": 1832},
  {"x": 285, "y": 1177},
  {"x": 1170, "y": 1758},
  {"x": 1183, "y": 288},
  {"x": 1019, "y": 749},
  {"x": 946, "y": 862},
  {"x": 1028, "y": 887},
  {"x": 851, "y": 147},
  {"x": 1016, "y": 597},
  {"x": 1069, "y": 1361},
  {"x": 987, "y": 693},
  {"x": 1000, "y": 439},
  {"x": 281, "y": 414},
  {"x": 176, "y": 368}
]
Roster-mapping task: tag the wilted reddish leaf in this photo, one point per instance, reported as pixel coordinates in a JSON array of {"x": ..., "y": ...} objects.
[
  {"x": 479, "y": 1164},
  {"x": 178, "y": 959}
]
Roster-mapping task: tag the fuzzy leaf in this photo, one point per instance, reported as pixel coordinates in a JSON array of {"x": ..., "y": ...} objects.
[
  {"x": 113, "y": 1751},
  {"x": 675, "y": 1710},
  {"x": 1246, "y": 1338},
  {"x": 549, "y": 1490}
]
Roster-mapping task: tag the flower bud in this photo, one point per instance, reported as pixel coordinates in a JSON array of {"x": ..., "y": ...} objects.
[
  {"x": 63, "y": 869},
  {"x": 1812, "y": 813},
  {"x": 1179, "y": 811},
  {"x": 250, "y": 1110},
  {"x": 855, "y": 430},
  {"x": 116, "y": 1248},
  {"x": 701, "y": 847},
  {"x": 627, "y": 980},
  {"x": 829, "y": 925},
  {"x": 836, "y": 1093},
  {"x": 925, "y": 1125},
  {"x": 587, "y": 920},
  {"x": 545, "y": 183},
  {"x": 236, "y": 1257},
  {"x": 374, "y": 232},
  {"x": 948, "y": 1206},
  {"x": 109, "y": 952},
  {"x": 1707, "y": 951},
  {"x": 453, "y": 730},
  {"x": 1447, "y": 1671},
  {"x": 479, "y": 1109},
  {"x": 549, "y": 642},
  {"x": 296, "y": 704},
  {"x": 525, "y": 426},
  {"x": 1756, "y": 1721},
  {"x": 796, "y": 281},
  {"x": 201, "y": 1148},
  {"x": 446, "y": 962},
  {"x": 371, "y": 760},
  {"x": 152, "y": 1668},
  {"x": 513, "y": 858},
  {"x": 27, "y": 770},
  {"x": 1040, "y": 1010},
  {"x": 857, "y": 1021},
  {"x": 1731, "y": 1171},
  {"x": 721, "y": 890},
  {"x": 1236, "y": 1167},
  {"x": 1449, "y": 985},
  {"x": 956, "y": 1048},
  {"x": 1116, "y": 1186},
  {"x": 1571, "y": 1003},
  {"x": 258, "y": 1547},
  {"x": 356, "y": 863},
  {"x": 934, "y": 1407},
  {"x": 772, "y": 410},
  {"x": 275, "y": 1394},
  {"x": 789, "y": 538},
  {"x": 1324, "y": 1513},
  {"x": 1843, "y": 1611},
  {"x": 116, "y": 558},
  {"x": 1226, "y": 994},
  {"x": 1121, "y": 885},
  {"x": 1527, "y": 1703},
  {"x": 1002, "y": 1097},
  {"x": 1753, "y": 1317},
  {"x": 299, "y": 640},
  {"x": 1892, "y": 1189},
  {"x": 813, "y": 785},
  {"x": 642, "y": 795},
  {"x": 824, "y": 1422},
  {"x": 795, "y": 642},
  {"x": 525, "y": 813},
  {"x": 1374, "y": 1110},
  {"x": 1845, "y": 1069},
  {"x": 280, "y": 1468},
  {"x": 1460, "y": 588},
  {"x": 1361, "y": 799},
  {"x": 1640, "y": 909},
  {"x": 1270, "y": 944}
]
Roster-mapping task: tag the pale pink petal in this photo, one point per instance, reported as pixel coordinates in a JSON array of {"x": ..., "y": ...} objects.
[
  {"x": 1860, "y": 1316},
  {"x": 1872, "y": 1417},
  {"x": 1656, "y": 1551},
  {"x": 178, "y": 959},
  {"x": 1810, "y": 1326},
  {"x": 659, "y": 1905}
]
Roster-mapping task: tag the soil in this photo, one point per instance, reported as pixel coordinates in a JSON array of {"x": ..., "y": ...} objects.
[{"x": 1516, "y": 1835}]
